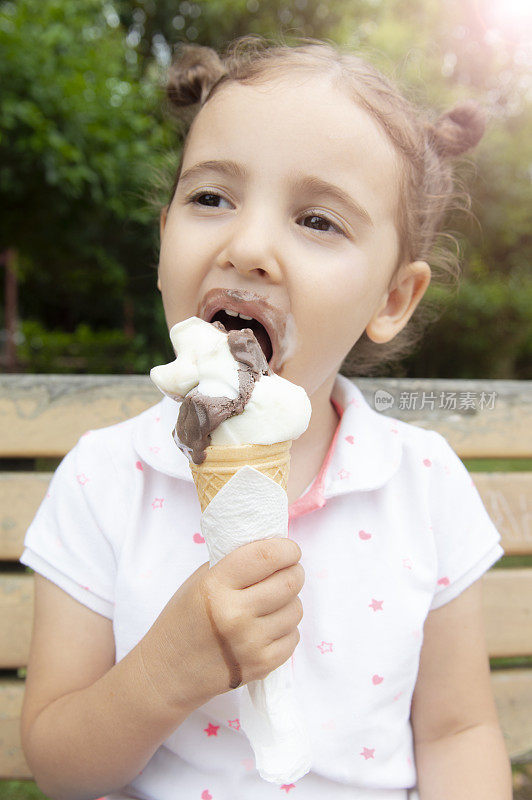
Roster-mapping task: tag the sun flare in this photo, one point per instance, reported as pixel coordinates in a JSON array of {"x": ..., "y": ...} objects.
[{"x": 508, "y": 15}]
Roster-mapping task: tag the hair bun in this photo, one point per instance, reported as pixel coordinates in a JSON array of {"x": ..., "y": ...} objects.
[
  {"x": 458, "y": 130},
  {"x": 193, "y": 72}
]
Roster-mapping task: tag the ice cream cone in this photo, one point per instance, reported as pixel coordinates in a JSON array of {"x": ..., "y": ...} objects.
[{"x": 222, "y": 462}]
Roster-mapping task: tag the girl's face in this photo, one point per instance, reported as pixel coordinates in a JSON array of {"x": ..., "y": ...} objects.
[{"x": 296, "y": 210}]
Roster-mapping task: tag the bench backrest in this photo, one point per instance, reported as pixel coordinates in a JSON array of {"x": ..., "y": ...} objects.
[{"x": 42, "y": 416}]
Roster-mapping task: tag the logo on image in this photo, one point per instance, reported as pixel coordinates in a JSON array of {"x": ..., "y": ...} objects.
[{"x": 383, "y": 400}]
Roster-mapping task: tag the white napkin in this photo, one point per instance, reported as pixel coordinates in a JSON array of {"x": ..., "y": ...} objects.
[{"x": 252, "y": 506}]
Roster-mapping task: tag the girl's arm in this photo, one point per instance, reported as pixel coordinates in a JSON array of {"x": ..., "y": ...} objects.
[
  {"x": 88, "y": 726},
  {"x": 459, "y": 747}
]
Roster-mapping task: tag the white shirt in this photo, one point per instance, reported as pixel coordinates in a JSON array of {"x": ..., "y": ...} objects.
[{"x": 391, "y": 528}]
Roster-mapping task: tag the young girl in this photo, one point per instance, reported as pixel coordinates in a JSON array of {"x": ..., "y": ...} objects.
[{"x": 308, "y": 197}]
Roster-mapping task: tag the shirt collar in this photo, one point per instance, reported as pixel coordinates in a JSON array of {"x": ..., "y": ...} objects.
[
  {"x": 152, "y": 440},
  {"x": 364, "y": 453}
]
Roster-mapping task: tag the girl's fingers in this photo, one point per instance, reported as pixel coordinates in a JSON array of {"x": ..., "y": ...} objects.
[
  {"x": 253, "y": 562},
  {"x": 281, "y": 622},
  {"x": 275, "y": 591},
  {"x": 280, "y": 650}
]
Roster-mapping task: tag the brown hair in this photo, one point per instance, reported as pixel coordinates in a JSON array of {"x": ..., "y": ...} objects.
[{"x": 426, "y": 145}]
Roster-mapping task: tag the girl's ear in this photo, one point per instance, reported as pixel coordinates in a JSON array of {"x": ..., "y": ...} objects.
[
  {"x": 162, "y": 223},
  {"x": 400, "y": 301}
]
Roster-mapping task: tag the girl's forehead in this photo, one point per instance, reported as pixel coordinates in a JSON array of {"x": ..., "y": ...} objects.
[{"x": 293, "y": 124}]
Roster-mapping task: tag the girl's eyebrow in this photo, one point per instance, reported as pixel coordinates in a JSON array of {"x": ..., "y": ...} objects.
[{"x": 302, "y": 183}]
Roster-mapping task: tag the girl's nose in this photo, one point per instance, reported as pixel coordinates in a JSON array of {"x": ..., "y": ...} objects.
[{"x": 251, "y": 249}]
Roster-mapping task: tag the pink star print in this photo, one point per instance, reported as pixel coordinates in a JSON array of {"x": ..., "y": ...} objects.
[
  {"x": 343, "y": 474},
  {"x": 325, "y": 647},
  {"x": 82, "y": 479},
  {"x": 288, "y": 786},
  {"x": 444, "y": 581},
  {"x": 155, "y": 449},
  {"x": 212, "y": 730},
  {"x": 376, "y": 605},
  {"x": 368, "y": 752},
  {"x": 234, "y": 723},
  {"x": 407, "y": 564},
  {"x": 158, "y": 502},
  {"x": 206, "y": 795}
]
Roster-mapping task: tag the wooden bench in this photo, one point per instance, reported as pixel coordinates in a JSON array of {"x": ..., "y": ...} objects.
[{"x": 42, "y": 416}]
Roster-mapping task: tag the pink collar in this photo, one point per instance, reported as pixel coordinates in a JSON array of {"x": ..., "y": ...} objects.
[{"x": 314, "y": 496}]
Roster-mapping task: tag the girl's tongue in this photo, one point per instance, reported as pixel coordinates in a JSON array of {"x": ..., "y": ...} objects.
[{"x": 232, "y": 323}]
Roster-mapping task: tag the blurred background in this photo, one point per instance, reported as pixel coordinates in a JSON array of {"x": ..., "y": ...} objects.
[{"x": 87, "y": 150}]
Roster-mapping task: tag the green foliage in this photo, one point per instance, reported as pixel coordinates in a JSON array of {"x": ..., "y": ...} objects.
[
  {"x": 20, "y": 790},
  {"x": 442, "y": 54},
  {"x": 484, "y": 331},
  {"x": 84, "y": 351},
  {"x": 81, "y": 135},
  {"x": 156, "y": 27}
]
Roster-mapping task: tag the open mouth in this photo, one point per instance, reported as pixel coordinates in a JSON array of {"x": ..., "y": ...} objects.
[
  {"x": 237, "y": 309},
  {"x": 233, "y": 320}
]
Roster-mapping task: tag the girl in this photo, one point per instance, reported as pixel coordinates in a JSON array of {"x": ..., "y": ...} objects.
[{"x": 308, "y": 197}]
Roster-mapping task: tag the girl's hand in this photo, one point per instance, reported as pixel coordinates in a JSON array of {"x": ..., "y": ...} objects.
[{"x": 227, "y": 625}]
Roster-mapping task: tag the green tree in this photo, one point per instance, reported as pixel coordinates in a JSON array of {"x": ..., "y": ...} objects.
[
  {"x": 444, "y": 53},
  {"x": 155, "y": 27},
  {"x": 80, "y": 136}
]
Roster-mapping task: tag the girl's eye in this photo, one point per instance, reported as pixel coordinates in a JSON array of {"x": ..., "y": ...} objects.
[
  {"x": 207, "y": 199},
  {"x": 320, "y": 223}
]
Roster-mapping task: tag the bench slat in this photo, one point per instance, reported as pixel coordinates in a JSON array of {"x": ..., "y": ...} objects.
[
  {"x": 507, "y": 603},
  {"x": 44, "y": 415},
  {"x": 16, "y": 618},
  {"x": 21, "y": 494},
  {"x": 12, "y": 761},
  {"x": 508, "y": 612},
  {"x": 506, "y": 496},
  {"x": 477, "y": 431},
  {"x": 512, "y": 690},
  {"x": 508, "y": 500}
]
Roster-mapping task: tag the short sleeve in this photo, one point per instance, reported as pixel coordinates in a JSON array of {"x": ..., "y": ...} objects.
[
  {"x": 467, "y": 542},
  {"x": 70, "y": 539}
]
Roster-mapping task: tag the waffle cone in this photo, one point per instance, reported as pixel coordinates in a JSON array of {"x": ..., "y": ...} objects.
[{"x": 222, "y": 462}]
